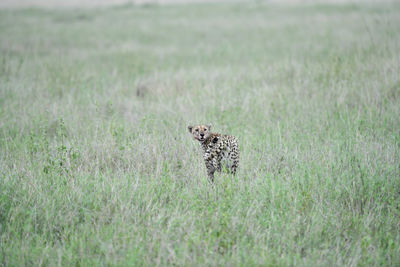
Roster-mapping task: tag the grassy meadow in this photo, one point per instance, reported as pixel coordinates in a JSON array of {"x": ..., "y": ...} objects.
[{"x": 97, "y": 167}]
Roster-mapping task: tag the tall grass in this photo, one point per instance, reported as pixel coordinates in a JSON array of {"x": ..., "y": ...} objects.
[{"x": 97, "y": 167}]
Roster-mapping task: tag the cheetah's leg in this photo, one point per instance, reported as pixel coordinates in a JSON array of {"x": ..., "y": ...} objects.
[
  {"x": 210, "y": 171},
  {"x": 217, "y": 164},
  {"x": 235, "y": 161},
  {"x": 210, "y": 174},
  {"x": 234, "y": 167}
]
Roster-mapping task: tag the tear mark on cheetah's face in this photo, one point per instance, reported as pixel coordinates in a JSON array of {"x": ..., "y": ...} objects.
[{"x": 200, "y": 132}]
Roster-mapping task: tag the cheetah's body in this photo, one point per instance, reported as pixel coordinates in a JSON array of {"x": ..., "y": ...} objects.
[{"x": 218, "y": 150}]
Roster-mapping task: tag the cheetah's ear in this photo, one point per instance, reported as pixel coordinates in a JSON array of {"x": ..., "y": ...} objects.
[
  {"x": 209, "y": 126},
  {"x": 190, "y": 128}
]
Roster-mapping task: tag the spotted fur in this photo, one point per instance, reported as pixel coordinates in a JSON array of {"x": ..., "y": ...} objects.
[{"x": 218, "y": 150}]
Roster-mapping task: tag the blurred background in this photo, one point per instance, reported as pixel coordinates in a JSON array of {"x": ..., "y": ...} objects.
[
  {"x": 97, "y": 167},
  {"x": 88, "y": 3}
]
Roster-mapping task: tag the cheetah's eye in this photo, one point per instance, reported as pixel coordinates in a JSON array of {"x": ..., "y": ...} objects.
[
  {"x": 197, "y": 130},
  {"x": 205, "y": 130}
]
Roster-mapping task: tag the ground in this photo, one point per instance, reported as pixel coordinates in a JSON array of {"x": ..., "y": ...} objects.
[{"x": 97, "y": 166}]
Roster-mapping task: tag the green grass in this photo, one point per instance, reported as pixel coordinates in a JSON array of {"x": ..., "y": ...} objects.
[{"x": 97, "y": 166}]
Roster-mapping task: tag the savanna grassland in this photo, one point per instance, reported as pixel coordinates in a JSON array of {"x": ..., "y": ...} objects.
[{"x": 97, "y": 166}]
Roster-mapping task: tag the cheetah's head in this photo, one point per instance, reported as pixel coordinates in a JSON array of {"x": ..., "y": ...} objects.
[{"x": 200, "y": 132}]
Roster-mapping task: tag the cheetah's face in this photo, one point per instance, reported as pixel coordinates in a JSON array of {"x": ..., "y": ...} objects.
[{"x": 200, "y": 132}]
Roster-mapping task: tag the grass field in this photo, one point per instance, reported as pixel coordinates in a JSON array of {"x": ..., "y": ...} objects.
[{"x": 97, "y": 166}]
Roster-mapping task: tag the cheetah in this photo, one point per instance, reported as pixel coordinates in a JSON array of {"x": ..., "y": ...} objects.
[{"x": 218, "y": 149}]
